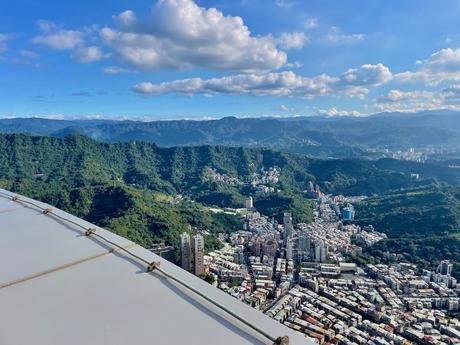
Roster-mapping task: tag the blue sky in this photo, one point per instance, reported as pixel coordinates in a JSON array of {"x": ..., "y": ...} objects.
[{"x": 196, "y": 59}]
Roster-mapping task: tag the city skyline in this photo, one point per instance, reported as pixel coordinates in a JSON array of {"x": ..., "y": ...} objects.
[{"x": 245, "y": 58}]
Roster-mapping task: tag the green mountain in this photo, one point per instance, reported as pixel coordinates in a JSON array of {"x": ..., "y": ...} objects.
[
  {"x": 423, "y": 225},
  {"x": 316, "y": 136},
  {"x": 414, "y": 212},
  {"x": 149, "y": 193},
  {"x": 78, "y": 161}
]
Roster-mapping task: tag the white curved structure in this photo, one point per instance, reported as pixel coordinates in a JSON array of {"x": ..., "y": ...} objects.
[{"x": 58, "y": 286}]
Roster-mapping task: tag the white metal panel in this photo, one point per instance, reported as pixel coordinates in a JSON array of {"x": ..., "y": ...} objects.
[
  {"x": 109, "y": 299},
  {"x": 32, "y": 242}
]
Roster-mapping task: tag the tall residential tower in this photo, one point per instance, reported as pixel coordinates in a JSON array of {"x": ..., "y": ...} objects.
[
  {"x": 198, "y": 255},
  {"x": 185, "y": 251}
]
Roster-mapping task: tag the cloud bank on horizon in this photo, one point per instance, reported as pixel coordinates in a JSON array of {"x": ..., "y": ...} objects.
[{"x": 293, "y": 58}]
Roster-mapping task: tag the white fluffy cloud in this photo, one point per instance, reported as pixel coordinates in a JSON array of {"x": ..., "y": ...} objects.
[
  {"x": 353, "y": 83},
  {"x": 55, "y": 37},
  {"x": 400, "y": 96},
  {"x": 60, "y": 39},
  {"x": 418, "y": 100},
  {"x": 88, "y": 54},
  {"x": 451, "y": 93},
  {"x": 366, "y": 75},
  {"x": 179, "y": 34},
  {"x": 292, "y": 40},
  {"x": 441, "y": 66}
]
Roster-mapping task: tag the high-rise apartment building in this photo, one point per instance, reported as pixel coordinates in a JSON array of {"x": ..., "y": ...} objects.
[
  {"x": 198, "y": 255},
  {"x": 249, "y": 203},
  {"x": 287, "y": 222},
  {"x": 445, "y": 268},
  {"x": 185, "y": 251}
]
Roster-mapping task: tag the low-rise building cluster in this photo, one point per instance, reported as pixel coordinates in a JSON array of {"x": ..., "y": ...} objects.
[
  {"x": 213, "y": 175},
  {"x": 264, "y": 181}
]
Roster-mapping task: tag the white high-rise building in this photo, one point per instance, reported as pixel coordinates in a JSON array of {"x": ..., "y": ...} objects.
[
  {"x": 185, "y": 251},
  {"x": 249, "y": 203},
  {"x": 198, "y": 255}
]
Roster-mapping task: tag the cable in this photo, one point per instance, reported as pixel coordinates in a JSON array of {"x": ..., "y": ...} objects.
[
  {"x": 58, "y": 268},
  {"x": 151, "y": 267}
]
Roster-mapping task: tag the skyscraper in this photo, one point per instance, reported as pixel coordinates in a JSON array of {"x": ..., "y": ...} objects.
[
  {"x": 185, "y": 251},
  {"x": 198, "y": 255},
  {"x": 287, "y": 222}
]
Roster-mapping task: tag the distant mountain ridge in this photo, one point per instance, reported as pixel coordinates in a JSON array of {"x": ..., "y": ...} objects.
[{"x": 316, "y": 136}]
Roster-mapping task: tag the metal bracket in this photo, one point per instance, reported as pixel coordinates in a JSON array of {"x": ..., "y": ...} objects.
[
  {"x": 282, "y": 341},
  {"x": 90, "y": 231},
  {"x": 153, "y": 266},
  {"x": 47, "y": 210},
  {"x": 15, "y": 198}
]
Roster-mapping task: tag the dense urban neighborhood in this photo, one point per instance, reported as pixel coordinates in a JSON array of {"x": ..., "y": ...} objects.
[{"x": 300, "y": 275}]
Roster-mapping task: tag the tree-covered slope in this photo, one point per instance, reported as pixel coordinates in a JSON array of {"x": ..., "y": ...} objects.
[
  {"x": 317, "y": 136},
  {"x": 414, "y": 212},
  {"x": 423, "y": 225},
  {"x": 78, "y": 161},
  {"x": 150, "y": 193}
]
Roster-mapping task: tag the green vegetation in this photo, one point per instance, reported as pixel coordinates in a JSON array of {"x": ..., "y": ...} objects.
[
  {"x": 423, "y": 226},
  {"x": 277, "y": 204},
  {"x": 151, "y": 194},
  {"x": 61, "y": 170},
  {"x": 416, "y": 212},
  {"x": 313, "y": 135}
]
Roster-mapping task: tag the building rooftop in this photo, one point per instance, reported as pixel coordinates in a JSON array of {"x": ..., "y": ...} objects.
[{"x": 60, "y": 286}]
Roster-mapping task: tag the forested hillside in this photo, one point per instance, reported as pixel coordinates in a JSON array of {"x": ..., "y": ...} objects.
[
  {"x": 150, "y": 193},
  {"x": 415, "y": 212},
  {"x": 423, "y": 225},
  {"x": 347, "y": 137},
  {"x": 77, "y": 161}
]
